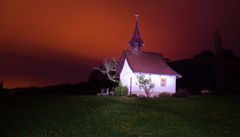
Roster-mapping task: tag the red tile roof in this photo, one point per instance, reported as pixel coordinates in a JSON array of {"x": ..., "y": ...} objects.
[{"x": 145, "y": 62}]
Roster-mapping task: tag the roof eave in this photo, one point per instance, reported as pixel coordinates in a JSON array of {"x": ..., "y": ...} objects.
[{"x": 177, "y": 75}]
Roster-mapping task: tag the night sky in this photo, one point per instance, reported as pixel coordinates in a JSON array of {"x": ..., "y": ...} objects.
[{"x": 46, "y": 42}]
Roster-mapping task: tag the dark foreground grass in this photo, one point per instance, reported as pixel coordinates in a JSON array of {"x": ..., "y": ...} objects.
[{"x": 95, "y": 116}]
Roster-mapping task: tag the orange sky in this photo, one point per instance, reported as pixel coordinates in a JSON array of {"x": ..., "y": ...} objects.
[{"x": 51, "y": 41}]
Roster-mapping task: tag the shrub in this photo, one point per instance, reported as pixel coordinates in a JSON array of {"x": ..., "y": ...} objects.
[
  {"x": 132, "y": 96},
  {"x": 181, "y": 93},
  {"x": 164, "y": 94},
  {"x": 142, "y": 96},
  {"x": 120, "y": 90},
  {"x": 146, "y": 84}
]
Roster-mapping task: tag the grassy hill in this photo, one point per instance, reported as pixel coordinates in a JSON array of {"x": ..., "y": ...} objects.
[{"x": 91, "y": 116}]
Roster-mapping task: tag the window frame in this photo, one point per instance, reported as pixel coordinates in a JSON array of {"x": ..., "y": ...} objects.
[{"x": 163, "y": 82}]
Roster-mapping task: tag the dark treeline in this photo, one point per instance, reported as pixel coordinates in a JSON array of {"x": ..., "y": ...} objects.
[
  {"x": 202, "y": 72},
  {"x": 217, "y": 71},
  {"x": 83, "y": 88}
]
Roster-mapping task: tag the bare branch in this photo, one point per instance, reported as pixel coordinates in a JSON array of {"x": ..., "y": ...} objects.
[{"x": 109, "y": 68}]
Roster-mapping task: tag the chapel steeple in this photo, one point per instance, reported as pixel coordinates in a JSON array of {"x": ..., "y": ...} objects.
[{"x": 136, "y": 42}]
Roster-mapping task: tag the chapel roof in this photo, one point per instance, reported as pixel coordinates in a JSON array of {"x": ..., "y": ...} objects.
[{"x": 145, "y": 62}]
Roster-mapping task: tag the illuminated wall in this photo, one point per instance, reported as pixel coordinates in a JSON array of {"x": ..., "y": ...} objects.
[{"x": 129, "y": 79}]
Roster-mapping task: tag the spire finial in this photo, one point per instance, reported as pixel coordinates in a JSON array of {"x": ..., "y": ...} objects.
[
  {"x": 136, "y": 41},
  {"x": 136, "y": 17}
]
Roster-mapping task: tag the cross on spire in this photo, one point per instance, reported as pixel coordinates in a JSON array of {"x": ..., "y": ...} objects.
[{"x": 136, "y": 42}]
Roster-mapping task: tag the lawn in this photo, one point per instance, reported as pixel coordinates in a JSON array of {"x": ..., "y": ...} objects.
[{"x": 96, "y": 116}]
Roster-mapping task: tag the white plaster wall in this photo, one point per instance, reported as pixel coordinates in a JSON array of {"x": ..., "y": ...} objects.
[{"x": 126, "y": 75}]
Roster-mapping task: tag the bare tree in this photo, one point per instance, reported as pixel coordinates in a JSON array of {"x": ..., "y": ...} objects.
[
  {"x": 109, "y": 68},
  {"x": 145, "y": 84}
]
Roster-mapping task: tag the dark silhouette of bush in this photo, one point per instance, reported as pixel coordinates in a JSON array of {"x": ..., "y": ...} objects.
[
  {"x": 181, "y": 93},
  {"x": 132, "y": 96}
]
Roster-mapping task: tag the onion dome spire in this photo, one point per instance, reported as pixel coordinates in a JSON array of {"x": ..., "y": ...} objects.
[{"x": 136, "y": 41}]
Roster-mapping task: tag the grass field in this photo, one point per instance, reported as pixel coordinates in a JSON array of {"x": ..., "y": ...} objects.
[{"x": 95, "y": 116}]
